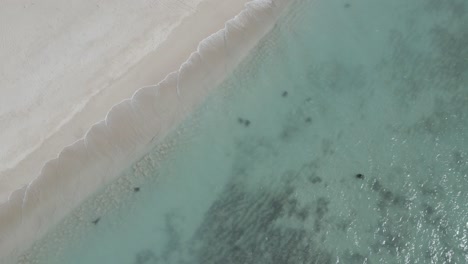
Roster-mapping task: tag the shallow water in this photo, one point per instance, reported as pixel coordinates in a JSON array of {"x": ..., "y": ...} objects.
[{"x": 341, "y": 139}]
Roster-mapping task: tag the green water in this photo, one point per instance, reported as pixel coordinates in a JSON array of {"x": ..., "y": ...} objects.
[{"x": 266, "y": 171}]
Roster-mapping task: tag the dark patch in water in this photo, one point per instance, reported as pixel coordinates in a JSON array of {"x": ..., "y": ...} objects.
[
  {"x": 284, "y": 94},
  {"x": 96, "y": 221},
  {"x": 458, "y": 158},
  {"x": 386, "y": 195},
  {"x": 289, "y": 131},
  {"x": 354, "y": 258},
  {"x": 327, "y": 147},
  {"x": 377, "y": 186},
  {"x": 429, "y": 191},
  {"x": 136, "y": 189},
  {"x": 173, "y": 244},
  {"x": 428, "y": 209},
  {"x": 146, "y": 256},
  {"x": 322, "y": 207},
  {"x": 455, "y": 8},
  {"x": 244, "y": 122},
  {"x": 315, "y": 179},
  {"x": 293, "y": 204},
  {"x": 320, "y": 211},
  {"x": 359, "y": 176},
  {"x": 303, "y": 214},
  {"x": 388, "y": 198},
  {"x": 400, "y": 201},
  {"x": 347, "y": 5},
  {"x": 344, "y": 224},
  {"x": 243, "y": 227}
]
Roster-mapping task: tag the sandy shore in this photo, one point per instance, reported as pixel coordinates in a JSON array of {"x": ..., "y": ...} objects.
[{"x": 141, "y": 55}]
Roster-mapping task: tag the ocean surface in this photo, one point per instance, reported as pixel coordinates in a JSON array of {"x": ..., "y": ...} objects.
[{"x": 342, "y": 138}]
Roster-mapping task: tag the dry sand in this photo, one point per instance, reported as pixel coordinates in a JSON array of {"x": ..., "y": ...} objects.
[{"x": 78, "y": 60}]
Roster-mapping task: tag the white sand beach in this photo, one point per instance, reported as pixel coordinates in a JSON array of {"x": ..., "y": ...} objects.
[
  {"x": 71, "y": 144},
  {"x": 66, "y": 64}
]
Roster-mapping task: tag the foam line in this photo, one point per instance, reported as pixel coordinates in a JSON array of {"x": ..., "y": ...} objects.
[{"x": 125, "y": 135}]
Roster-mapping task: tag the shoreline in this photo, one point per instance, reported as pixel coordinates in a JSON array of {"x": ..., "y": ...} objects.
[
  {"x": 129, "y": 130},
  {"x": 209, "y": 17}
]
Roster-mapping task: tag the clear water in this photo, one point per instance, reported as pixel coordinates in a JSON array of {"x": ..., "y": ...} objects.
[{"x": 266, "y": 171}]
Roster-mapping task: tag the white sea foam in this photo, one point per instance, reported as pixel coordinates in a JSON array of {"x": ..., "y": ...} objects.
[{"x": 128, "y": 131}]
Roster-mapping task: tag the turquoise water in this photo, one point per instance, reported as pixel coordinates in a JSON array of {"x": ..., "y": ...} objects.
[{"x": 343, "y": 138}]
